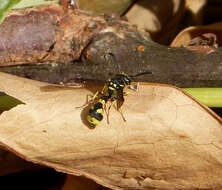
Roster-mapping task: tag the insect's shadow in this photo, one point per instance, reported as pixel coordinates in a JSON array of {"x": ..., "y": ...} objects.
[
  {"x": 92, "y": 87},
  {"x": 84, "y": 114}
]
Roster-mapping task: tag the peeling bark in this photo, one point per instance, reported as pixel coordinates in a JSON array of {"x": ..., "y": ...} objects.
[{"x": 49, "y": 40}]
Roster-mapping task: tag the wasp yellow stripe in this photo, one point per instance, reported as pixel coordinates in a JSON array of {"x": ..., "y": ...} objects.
[{"x": 111, "y": 88}]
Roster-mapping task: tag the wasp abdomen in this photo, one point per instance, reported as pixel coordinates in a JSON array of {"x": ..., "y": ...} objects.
[{"x": 96, "y": 112}]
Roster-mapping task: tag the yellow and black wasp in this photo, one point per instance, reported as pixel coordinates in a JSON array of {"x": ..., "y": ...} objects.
[{"x": 113, "y": 92}]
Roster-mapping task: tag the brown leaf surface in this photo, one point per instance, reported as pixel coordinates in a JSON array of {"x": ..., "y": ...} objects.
[
  {"x": 186, "y": 35},
  {"x": 169, "y": 141},
  {"x": 159, "y": 18},
  {"x": 196, "y": 10}
]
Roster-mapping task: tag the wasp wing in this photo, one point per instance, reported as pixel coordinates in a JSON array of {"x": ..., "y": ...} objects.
[
  {"x": 119, "y": 99},
  {"x": 56, "y": 87}
]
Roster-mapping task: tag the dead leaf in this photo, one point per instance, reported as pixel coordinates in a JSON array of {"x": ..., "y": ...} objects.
[
  {"x": 186, "y": 35},
  {"x": 169, "y": 141},
  {"x": 196, "y": 12},
  {"x": 159, "y": 18}
]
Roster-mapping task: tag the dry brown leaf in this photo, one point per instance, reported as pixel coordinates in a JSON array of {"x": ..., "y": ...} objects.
[
  {"x": 159, "y": 18},
  {"x": 196, "y": 10},
  {"x": 186, "y": 35},
  {"x": 169, "y": 141}
]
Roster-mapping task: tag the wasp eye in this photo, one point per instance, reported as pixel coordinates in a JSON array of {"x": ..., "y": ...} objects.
[{"x": 127, "y": 80}]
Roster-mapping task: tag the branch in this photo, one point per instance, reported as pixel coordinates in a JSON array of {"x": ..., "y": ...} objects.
[{"x": 43, "y": 36}]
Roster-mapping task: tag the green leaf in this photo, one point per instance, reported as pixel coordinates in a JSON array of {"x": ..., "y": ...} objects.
[
  {"x": 211, "y": 97},
  {"x": 31, "y": 3},
  {"x": 6, "y": 5},
  {"x": 7, "y": 102}
]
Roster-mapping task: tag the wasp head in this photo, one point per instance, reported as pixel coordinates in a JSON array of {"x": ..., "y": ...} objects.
[{"x": 124, "y": 78}]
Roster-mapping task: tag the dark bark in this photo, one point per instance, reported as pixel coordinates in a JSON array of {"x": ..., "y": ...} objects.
[{"x": 58, "y": 39}]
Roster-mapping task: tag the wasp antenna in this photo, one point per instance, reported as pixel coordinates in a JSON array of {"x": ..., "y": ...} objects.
[
  {"x": 115, "y": 61},
  {"x": 143, "y": 73}
]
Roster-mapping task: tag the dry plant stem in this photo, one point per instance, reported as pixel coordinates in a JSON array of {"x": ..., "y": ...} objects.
[
  {"x": 169, "y": 141},
  {"x": 49, "y": 35}
]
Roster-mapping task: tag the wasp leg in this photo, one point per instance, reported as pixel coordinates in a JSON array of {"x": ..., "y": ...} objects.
[
  {"x": 91, "y": 100},
  {"x": 107, "y": 112},
  {"x": 86, "y": 104},
  {"x": 95, "y": 96},
  {"x": 121, "y": 113},
  {"x": 125, "y": 93}
]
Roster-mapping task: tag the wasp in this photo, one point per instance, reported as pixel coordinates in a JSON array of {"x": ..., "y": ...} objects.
[{"x": 113, "y": 92}]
